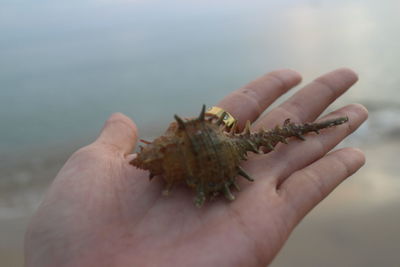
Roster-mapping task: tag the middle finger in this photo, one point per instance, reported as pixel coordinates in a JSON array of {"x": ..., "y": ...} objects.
[{"x": 308, "y": 103}]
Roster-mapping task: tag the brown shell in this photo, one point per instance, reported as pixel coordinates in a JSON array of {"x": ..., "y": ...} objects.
[{"x": 202, "y": 154}]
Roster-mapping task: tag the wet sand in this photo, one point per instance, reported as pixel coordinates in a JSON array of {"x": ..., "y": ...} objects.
[{"x": 357, "y": 225}]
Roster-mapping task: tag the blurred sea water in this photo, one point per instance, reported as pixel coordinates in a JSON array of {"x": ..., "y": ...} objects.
[{"x": 65, "y": 66}]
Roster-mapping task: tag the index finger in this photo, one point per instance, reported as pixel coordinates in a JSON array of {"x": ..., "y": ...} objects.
[{"x": 250, "y": 101}]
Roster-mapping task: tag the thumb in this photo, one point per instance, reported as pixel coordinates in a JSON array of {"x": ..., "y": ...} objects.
[{"x": 119, "y": 132}]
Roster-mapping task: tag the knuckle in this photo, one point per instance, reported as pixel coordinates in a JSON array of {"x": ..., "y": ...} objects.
[
  {"x": 343, "y": 165},
  {"x": 314, "y": 179},
  {"x": 252, "y": 97},
  {"x": 325, "y": 85},
  {"x": 85, "y": 151},
  {"x": 278, "y": 80}
]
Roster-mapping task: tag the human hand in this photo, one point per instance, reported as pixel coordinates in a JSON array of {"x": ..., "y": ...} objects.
[{"x": 102, "y": 211}]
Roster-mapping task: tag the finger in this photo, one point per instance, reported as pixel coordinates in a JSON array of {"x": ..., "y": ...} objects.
[
  {"x": 308, "y": 103},
  {"x": 306, "y": 188},
  {"x": 248, "y": 102},
  {"x": 299, "y": 154},
  {"x": 119, "y": 133}
]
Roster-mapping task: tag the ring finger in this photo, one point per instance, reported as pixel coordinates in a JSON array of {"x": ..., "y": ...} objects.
[{"x": 299, "y": 154}]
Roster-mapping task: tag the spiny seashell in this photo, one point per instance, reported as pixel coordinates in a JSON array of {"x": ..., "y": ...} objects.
[{"x": 204, "y": 155}]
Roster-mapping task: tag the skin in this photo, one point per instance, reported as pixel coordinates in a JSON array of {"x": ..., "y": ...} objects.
[{"x": 101, "y": 211}]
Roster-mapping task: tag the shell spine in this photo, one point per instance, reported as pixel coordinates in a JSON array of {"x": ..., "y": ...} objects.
[{"x": 203, "y": 154}]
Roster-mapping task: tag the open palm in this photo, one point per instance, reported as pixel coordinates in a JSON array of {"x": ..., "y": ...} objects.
[{"x": 101, "y": 211}]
